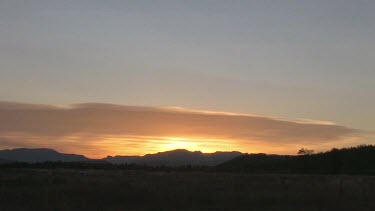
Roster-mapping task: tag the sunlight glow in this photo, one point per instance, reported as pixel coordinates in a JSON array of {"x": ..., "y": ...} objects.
[
  {"x": 178, "y": 143},
  {"x": 141, "y": 145}
]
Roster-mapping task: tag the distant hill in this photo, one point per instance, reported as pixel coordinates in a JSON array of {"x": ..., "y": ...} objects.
[
  {"x": 353, "y": 160},
  {"x": 177, "y": 157},
  {"x": 39, "y": 155}
]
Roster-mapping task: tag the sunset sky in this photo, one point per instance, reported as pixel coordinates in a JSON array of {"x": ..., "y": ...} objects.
[{"x": 133, "y": 77}]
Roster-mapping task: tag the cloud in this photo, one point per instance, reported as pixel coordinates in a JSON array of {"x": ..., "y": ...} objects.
[{"x": 92, "y": 123}]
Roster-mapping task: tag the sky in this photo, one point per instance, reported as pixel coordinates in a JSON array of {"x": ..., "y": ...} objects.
[{"x": 309, "y": 63}]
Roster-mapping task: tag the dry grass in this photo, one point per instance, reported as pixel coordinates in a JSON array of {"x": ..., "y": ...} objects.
[{"x": 140, "y": 190}]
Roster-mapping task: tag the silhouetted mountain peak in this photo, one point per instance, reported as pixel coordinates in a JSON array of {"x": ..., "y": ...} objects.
[
  {"x": 177, "y": 157},
  {"x": 38, "y": 155}
]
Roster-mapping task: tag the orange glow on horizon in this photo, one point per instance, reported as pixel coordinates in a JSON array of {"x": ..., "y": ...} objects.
[
  {"x": 100, "y": 146},
  {"x": 142, "y": 145}
]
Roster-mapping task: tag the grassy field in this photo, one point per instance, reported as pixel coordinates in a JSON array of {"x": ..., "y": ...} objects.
[{"x": 24, "y": 189}]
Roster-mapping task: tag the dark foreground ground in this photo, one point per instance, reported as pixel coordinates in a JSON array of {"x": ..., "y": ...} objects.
[{"x": 140, "y": 190}]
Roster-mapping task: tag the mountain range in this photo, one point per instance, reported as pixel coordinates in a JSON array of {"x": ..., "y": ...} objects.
[
  {"x": 179, "y": 157},
  {"x": 39, "y": 155}
]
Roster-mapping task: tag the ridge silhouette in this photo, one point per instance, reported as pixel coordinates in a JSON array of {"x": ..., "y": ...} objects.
[{"x": 351, "y": 160}]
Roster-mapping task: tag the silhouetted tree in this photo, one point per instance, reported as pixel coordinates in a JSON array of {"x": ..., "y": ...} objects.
[{"x": 304, "y": 151}]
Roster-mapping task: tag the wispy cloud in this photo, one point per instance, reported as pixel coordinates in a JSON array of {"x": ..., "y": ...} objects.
[{"x": 94, "y": 128}]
